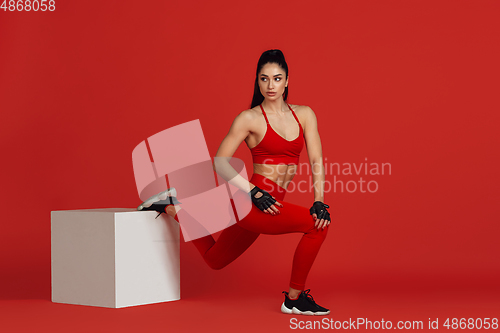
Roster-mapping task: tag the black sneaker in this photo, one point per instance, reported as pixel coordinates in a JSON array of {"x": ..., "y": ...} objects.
[
  {"x": 160, "y": 201},
  {"x": 304, "y": 305}
]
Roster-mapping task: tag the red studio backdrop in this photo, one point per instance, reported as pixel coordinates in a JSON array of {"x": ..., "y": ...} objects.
[{"x": 410, "y": 87}]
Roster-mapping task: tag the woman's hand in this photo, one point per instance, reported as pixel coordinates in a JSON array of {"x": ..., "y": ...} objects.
[
  {"x": 264, "y": 201},
  {"x": 320, "y": 214}
]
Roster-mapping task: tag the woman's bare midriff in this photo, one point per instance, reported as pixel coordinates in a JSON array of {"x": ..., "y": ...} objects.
[{"x": 281, "y": 174}]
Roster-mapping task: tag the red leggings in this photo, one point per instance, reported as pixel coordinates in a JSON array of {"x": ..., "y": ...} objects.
[{"x": 234, "y": 240}]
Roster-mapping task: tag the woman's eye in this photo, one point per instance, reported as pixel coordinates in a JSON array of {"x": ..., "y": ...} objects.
[
  {"x": 263, "y": 79},
  {"x": 278, "y": 79}
]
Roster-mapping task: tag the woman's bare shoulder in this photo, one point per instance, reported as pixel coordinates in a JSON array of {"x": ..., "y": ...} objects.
[
  {"x": 247, "y": 118},
  {"x": 249, "y": 115},
  {"x": 302, "y": 111},
  {"x": 253, "y": 112}
]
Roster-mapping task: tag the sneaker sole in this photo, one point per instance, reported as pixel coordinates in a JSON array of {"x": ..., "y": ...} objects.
[
  {"x": 286, "y": 310},
  {"x": 294, "y": 310},
  {"x": 171, "y": 192}
]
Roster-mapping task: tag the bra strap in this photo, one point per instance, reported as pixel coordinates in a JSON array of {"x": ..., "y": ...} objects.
[
  {"x": 267, "y": 121},
  {"x": 294, "y": 115}
]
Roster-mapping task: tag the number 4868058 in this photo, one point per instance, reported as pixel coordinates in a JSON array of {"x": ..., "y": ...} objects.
[{"x": 28, "y": 5}]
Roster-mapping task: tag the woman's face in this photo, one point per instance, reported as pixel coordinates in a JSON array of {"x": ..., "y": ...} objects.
[{"x": 272, "y": 81}]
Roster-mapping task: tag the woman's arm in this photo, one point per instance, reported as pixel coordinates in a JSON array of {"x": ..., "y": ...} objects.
[
  {"x": 315, "y": 153},
  {"x": 239, "y": 130}
]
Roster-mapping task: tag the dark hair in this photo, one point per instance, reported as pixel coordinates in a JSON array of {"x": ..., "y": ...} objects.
[{"x": 273, "y": 57}]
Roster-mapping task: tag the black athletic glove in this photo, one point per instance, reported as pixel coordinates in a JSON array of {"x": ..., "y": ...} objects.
[
  {"x": 263, "y": 202},
  {"x": 319, "y": 209}
]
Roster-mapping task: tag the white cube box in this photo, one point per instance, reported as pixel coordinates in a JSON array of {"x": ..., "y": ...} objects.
[{"x": 114, "y": 257}]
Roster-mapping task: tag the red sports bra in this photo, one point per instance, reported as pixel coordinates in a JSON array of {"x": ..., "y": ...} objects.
[{"x": 274, "y": 149}]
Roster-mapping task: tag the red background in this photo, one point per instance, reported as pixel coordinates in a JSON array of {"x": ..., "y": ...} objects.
[{"x": 413, "y": 84}]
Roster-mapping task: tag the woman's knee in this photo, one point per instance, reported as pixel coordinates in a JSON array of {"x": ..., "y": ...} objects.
[
  {"x": 217, "y": 266},
  {"x": 318, "y": 233}
]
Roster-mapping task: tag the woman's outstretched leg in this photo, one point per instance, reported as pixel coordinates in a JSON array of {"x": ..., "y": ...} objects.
[{"x": 232, "y": 242}]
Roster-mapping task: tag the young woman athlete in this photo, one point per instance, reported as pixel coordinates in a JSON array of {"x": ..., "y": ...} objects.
[{"x": 275, "y": 133}]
